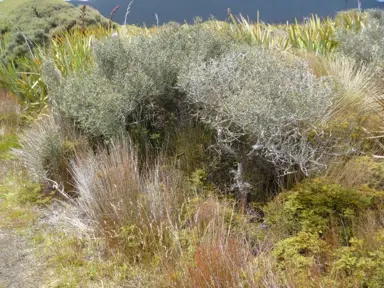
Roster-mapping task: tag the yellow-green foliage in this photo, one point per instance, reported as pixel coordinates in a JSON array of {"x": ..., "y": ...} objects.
[
  {"x": 361, "y": 267},
  {"x": 315, "y": 35},
  {"x": 17, "y": 195},
  {"x": 328, "y": 235},
  {"x": 306, "y": 258},
  {"x": 299, "y": 254},
  {"x": 357, "y": 172},
  {"x": 72, "y": 51},
  {"x": 74, "y": 262},
  {"x": 7, "y": 142},
  {"x": 319, "y": 207}
]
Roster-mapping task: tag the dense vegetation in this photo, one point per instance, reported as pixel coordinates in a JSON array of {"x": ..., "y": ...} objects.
[
  {"x": 219, "y": 154},
  {"x": 32, "y": 24}
]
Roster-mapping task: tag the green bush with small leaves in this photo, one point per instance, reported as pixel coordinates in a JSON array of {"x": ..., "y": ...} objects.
[
  {"x": 33, "y": 24},
  {"x": 322, "y": 208},
  {"x": 360, "y": 266},
  {"x": 301, "y": 251}
]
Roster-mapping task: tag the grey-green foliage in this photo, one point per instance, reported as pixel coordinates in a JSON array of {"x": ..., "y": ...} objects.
[
  {"x": 34, "y": 22},
  {"x": 134, "y": 79},
  {"x": 266, "y": 98},
  {"x": 366, "y": 45},
  {"x": 46, "y": 148},
  {"x": 159, "y": 57},
  {"x": 41, "y": 149}
]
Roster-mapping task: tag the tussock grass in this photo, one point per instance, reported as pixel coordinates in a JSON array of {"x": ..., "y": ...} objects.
[
  {"x": 10, "y": 113},
  {"x": 357, "y": 172},
  {"x": 46, "y": 148},
  {"x": 137, "y": 209},
  {"x": 360, "y": 87}
]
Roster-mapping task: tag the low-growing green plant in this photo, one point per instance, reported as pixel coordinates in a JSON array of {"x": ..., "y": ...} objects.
[
  {"x": 328, "y": 210},
  {"x": 7, "y": 142},
  {"x": 358, "y": 266},
  {"x": 301, "y": 258}
]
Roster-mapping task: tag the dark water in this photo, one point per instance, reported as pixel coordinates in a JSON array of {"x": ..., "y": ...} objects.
[{"x": 272, "y": 11}]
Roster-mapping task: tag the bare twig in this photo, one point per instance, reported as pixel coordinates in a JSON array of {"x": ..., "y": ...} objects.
[{"x": 127, "y": 12}]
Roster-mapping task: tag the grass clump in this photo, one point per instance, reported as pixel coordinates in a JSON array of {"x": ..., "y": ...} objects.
[
  {"x": 46, "y": 149},
  {"x": 358, "y": 172},
  {"x": 137, "y": 210}
]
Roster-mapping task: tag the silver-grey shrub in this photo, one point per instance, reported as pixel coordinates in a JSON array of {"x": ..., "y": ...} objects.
[
  {"x": 134, "y": 79},
  {"x": 366, "y": 45},
  {"x": 263, "y": 103}
]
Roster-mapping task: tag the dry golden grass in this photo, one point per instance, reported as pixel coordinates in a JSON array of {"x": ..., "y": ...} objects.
[
  {"x": 9, "y": 113},
  {"x": 356, "y": 172}
]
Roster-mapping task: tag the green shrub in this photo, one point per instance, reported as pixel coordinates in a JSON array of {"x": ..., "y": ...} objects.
[
  {"x": 301, "y": 251},
  {"x": 361, "y": 267},
  {"x": 328, "y": 210},
  {"x": 34, "y": 23},
  {"x": 306, "y": 258}
]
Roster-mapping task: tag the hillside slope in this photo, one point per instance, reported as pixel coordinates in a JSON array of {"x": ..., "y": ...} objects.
[{"x": 7, "y": 6}]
